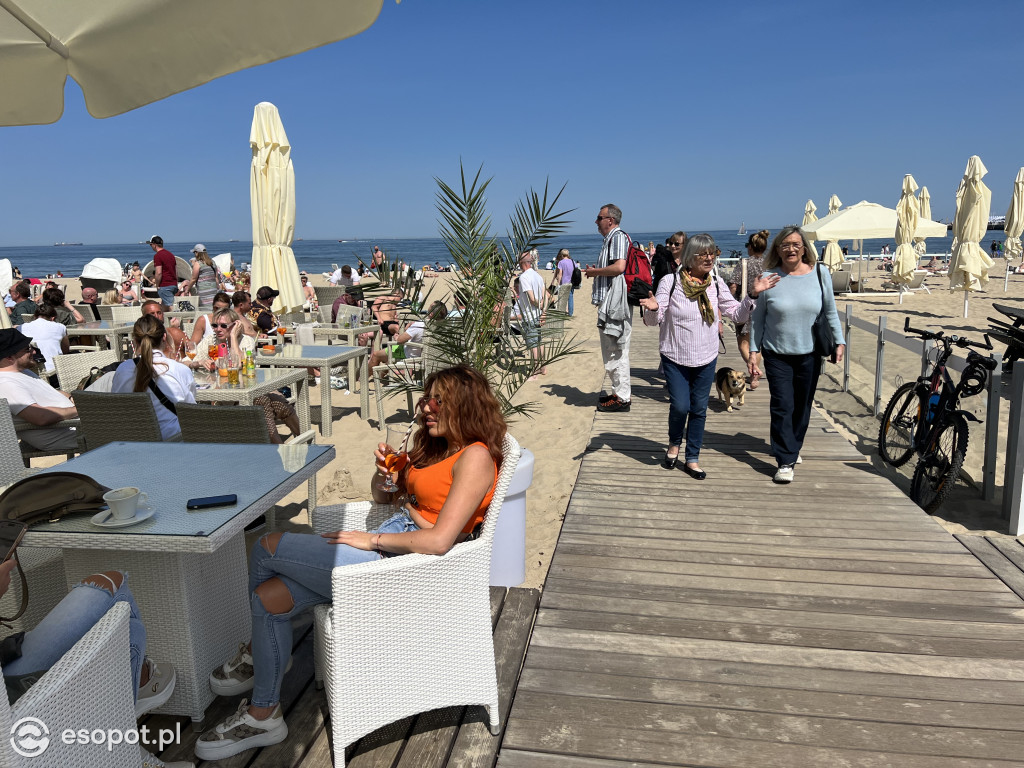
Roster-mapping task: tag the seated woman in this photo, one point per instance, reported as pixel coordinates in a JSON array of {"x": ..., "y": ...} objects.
[
  {"x": 112, "y": 298},
  {"x": 151, "y": 370},
  {"x": 202, "y": 333},
  {"x": 50, "y": 337},
  {"x": 127, "y": 293},
  {"x": 444, "y": 491},
  {"x": 69, "y": 621}
]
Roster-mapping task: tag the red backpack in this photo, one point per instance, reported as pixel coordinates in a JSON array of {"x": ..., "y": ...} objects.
[{"x": 639, "y": 282}]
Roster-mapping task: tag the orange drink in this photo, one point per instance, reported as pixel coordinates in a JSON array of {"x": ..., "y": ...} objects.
[{"x": 212, "y": 351}]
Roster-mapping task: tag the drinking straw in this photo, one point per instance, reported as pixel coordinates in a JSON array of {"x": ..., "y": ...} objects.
[{"x": 405, "y": 440}]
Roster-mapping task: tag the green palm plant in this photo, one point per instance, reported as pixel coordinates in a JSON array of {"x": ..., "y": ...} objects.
[{"x": 477, "y": 333}]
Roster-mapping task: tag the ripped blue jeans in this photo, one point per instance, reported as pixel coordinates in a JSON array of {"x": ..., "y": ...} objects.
[
  {"x": 303, "y": 562},
  {"x": 68, "y": 623}
]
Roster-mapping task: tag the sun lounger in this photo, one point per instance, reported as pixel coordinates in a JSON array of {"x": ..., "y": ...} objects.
[
  {"x": 841, "y": 280},
  {"x": 916, "y": 283}
]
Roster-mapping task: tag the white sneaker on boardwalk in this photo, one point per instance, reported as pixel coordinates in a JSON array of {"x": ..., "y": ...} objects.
[
  {"x": 241, "y": 731},
  {"x": 158, "y": 688},
  {"x": 784, "y": 474}
]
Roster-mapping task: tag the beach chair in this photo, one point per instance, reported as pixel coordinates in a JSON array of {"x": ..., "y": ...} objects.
[
  {"x": 43, "y": 566},
  {"x": 108, "y": 417},
  {"x": 841, "y": 281},
  {"x": 916, "y": 283},
  {"x": 439, "y": 606},
  {"x": 71, "y": 369},
  {"x": 326, "y": 294},
  {"x": 106, "y": 312},
  {"x": 125, "y": 315},
  {"x": 90, "y": 687}
]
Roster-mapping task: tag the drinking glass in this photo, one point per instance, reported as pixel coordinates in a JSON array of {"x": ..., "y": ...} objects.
[
  {"x": 189, "y": 348},
  {"x": 223, "y": 365},
  {"x": 395, "y": 457},
  {"x": 213, "y": 350}
]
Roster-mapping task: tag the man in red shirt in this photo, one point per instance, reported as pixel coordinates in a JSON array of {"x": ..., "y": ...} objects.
[{"x": 165, "y": 271}]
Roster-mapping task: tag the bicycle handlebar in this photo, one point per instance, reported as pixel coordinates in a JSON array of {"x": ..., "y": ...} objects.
[{"x": 958, "y": 341}]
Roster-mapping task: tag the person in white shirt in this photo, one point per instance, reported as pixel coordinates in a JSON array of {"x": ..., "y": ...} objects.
[
  {"x": 152, "y": 369},
  {"x": 531, "y": 301},
  {"x": 344, "y": 276},
  {"x": 50, "y": 336},
  {"x": 32, "y": 400}
]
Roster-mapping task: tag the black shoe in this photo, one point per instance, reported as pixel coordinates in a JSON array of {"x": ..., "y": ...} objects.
[
  {"x": 614, "y": 406},
  {"x": 696, "y": 474},
  {"x": 605, "y": 399},
  {"x": 670, "y": 463}
]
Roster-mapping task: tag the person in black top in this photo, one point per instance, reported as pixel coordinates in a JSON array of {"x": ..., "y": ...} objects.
[
  {"x": 260, "y": 313},
  {"x": 666, "y": 257}
]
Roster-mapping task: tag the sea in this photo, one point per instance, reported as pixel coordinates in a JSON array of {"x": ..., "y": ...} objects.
[{"x": 315, "y": 256}]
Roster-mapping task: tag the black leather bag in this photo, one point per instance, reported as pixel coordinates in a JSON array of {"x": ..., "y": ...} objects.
[{"x": 821, "y": 331}]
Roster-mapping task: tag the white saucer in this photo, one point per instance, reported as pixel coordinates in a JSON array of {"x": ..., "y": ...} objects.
[{"x": 143, "y": 513}]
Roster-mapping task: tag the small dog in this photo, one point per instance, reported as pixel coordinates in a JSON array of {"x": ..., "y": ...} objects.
[{"x": 730, "y": 384}]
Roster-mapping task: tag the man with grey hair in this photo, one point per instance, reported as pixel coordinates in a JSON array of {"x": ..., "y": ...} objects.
[{"x": 614, "y": 314}]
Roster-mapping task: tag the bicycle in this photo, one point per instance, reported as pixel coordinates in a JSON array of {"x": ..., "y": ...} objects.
[{"x": 924, "y": 417}]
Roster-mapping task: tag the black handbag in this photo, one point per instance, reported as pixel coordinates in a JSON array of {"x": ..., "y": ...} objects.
[{"x": 821, "y": 331}]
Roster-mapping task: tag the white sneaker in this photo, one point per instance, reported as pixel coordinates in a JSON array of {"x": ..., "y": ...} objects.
[
  {"x": 784, "y": 474},
  {"x": 157, "y": 690},
  {"x": 241, "y": 731},
  {"x": 236, "y": 675},
  {"x": 149, "y": 760}
]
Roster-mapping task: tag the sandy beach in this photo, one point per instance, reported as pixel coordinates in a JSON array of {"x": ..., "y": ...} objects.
[{"x": 565, "y": 398}]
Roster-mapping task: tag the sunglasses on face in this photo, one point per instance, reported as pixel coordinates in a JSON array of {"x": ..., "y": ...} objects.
[
  {"x": 433, "y": 401},
  {"x": 221, "y": 325}
]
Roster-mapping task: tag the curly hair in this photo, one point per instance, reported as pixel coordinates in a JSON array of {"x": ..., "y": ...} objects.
[{"x": 470, "y": 413}]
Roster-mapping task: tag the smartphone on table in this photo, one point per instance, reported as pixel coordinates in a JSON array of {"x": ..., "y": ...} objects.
[
  {"x": 208, "y": 502},
  {"x": 11, "y": 532}
]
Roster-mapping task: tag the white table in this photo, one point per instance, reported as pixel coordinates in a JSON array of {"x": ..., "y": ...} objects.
[
  {"x": 113, "y": 332},
  {"x": 267, "y": 380},
  {"x": 188, "y": 570},
  {"x": 323, "y": 357}
]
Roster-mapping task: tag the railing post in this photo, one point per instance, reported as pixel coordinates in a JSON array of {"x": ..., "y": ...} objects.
[
  {"x": 995, "y": 382},
  {"x": 1013, "y": 474},
  {"x": 879, "y": 363},
  {"x": 846, "y": 357}
]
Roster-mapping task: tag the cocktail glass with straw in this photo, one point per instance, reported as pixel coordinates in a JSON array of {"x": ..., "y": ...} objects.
[{"x": 395, "y": 455}]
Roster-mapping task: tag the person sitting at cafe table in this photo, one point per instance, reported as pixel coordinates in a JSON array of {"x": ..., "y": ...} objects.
[
  {"x": 201, "y": 331},
  {"x": 175, "y": 339},
  {"x": 67, "y": 313},
  {"x": 260, "y": 313},
  {"x": 87, "y": 306},
  {"x": 167, "y": 381},
  {"x": 48, "y": 336},
  {"x": 24, "y": 308},
  {"x": 241, "y": 302},
  {"x": 25, "y": 662},
  {"x": 31, "y": 399}
]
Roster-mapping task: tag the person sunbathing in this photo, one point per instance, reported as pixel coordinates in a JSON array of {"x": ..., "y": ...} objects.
[{"x": 444, "y": 491}]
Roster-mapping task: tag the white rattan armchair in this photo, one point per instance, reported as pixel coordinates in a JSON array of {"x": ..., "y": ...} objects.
[
  {"x": 90, "y": 687},
  {"x": 71, "y": 369},
  {"x": 407, "y": 634}
]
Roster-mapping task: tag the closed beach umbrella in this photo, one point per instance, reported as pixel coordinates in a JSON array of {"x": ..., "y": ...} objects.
[
  {"x": 924, "y": 208},
  {"x": 809, "y": 218},
  {"x": 969, "y": 266},
  {"x": 833, "y": 257},
  {"x": 127, "y": 53},
  {"x": 272, "y": 198},
  {"x": 905, "y": 261},
  {"x": 1014, "y": 225}
]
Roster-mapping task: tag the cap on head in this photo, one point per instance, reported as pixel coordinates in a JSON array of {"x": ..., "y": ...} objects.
[
  {"x": 197, "y": 248},
  {"x": 155, "y": 240},
  {"x": 266, "y": 292},
  {"x": 12, "y": 341}
]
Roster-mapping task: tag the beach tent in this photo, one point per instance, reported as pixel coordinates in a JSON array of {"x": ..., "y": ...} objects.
[
  {"x": 1014, "y": 224},
  {"x": 102, "y": 274},
  {"x": 223, "y": 262},
  {"x": 833, "y": 257},
  {"x": 905, "y": 262},
  {"x": 969, "y": 266},
  {"x": 108, "y": 47},
  {"x": 6, "y": 281},
  {"x": 272, "y": 201}
]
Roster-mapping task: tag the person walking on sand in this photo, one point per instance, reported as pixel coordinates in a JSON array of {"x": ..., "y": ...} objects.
[{"x": 614, "y": 315}]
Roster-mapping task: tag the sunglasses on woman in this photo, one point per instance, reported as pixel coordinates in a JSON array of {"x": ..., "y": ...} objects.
[
  {"x": 433, "y": 401},
  {"x": 220, "y": 325}
]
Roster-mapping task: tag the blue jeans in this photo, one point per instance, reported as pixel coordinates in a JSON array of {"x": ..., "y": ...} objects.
[
  {"x": 303, "y": 563},
  {"x": 688, "y": 392},
  {"x": 68, "y": 623},
  {"x": 793, "y": 380},
  {"x": 166, "y": 294},
  {"x": 571, "y": 292}
]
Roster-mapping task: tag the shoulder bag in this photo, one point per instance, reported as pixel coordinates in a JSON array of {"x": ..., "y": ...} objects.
[{"x": 821, "y": 331}]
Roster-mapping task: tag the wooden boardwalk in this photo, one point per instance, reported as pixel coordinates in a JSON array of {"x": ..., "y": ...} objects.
[{"x": 733, "y": 622}]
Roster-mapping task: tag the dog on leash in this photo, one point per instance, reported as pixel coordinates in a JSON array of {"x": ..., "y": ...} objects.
[{"x": 730, "y": 383}]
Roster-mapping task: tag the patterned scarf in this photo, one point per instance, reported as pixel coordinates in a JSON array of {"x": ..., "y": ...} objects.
[{"x": 697, "y": 290}]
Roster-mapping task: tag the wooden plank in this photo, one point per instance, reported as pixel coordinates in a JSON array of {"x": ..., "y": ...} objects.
[
  {"x": 994, "y": 559},
  {"x": 518, "y": 759},
  {"x": 1010, "y": 547}
]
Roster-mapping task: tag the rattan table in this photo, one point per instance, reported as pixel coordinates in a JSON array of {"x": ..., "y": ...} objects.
[
  {"x": 113, "y": 332},
  {"x": 213, "y": 389},
  {"x": 188, "y": 570},
  {"x": 323, "y": 357}
]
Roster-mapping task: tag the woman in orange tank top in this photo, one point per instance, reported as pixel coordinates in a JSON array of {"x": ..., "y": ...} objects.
[{"x": 444, "y": 490}]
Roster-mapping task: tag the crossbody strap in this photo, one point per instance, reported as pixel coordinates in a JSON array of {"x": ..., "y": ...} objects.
[{"x": 164, "y": 400}]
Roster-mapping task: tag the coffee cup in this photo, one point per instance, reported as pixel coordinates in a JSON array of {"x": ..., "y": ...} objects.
[{"x": 124, "y": 502}]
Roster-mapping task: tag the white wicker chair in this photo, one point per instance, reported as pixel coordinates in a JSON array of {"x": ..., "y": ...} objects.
[
  {"x": 90, "y": 687},
  {"x": 434, "y": 609},
  {"x": 71, "y": 369},
  {"x": 126, "y": 314}
]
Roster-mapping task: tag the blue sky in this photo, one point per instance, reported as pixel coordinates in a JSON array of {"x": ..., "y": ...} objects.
[{"x": 687, "y": 115}]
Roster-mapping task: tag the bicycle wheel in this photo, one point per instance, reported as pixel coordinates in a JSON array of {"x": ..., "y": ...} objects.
[
  {"x": 900, "y": 421},
  {"x": 939, "y": 469}
]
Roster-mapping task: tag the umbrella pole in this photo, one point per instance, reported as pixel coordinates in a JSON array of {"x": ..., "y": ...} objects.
[
  {"x": 860, "y": 269},
  {"x": 1006, "y": 277},
  {"x": 966, "y": 294}
]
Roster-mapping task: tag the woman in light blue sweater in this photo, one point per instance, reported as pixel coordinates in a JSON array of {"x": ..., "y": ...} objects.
[{"x": 781, "y": 332}]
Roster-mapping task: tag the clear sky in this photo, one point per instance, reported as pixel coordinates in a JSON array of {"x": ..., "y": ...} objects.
[{"x": 686, "y": 114}]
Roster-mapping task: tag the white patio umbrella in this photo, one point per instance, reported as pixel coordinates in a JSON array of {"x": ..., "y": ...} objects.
[
  {"x": 1014, "y": 225},
  {"x": 127, "y": 53},
  {"x": 833, "y": 257},
  {"x": 924, "y": 209},
  {"x": 905, "y": 261},
  {"x": 272, "y": 198},
  {"x": 969, "y": 266},
  {"x": 810, "y": 218}
]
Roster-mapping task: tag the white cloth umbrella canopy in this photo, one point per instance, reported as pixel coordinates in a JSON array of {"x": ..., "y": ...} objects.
[
  {"x": 223, "y": 262},
  {"x": 906, "y": 258},
  {"x": 127, "y": 53},
  {"x": 272, "y": 198},
  {"x": 810, "y": 218},
  {"x": 6, "y": 281},
  {"x": 969, "y": 266},
  {"x": 867, "y": 220},
  {"x": 924, "y": 211},
  {"x": 833, "y": 257},
  {"x": 1014, "y": 226}
]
